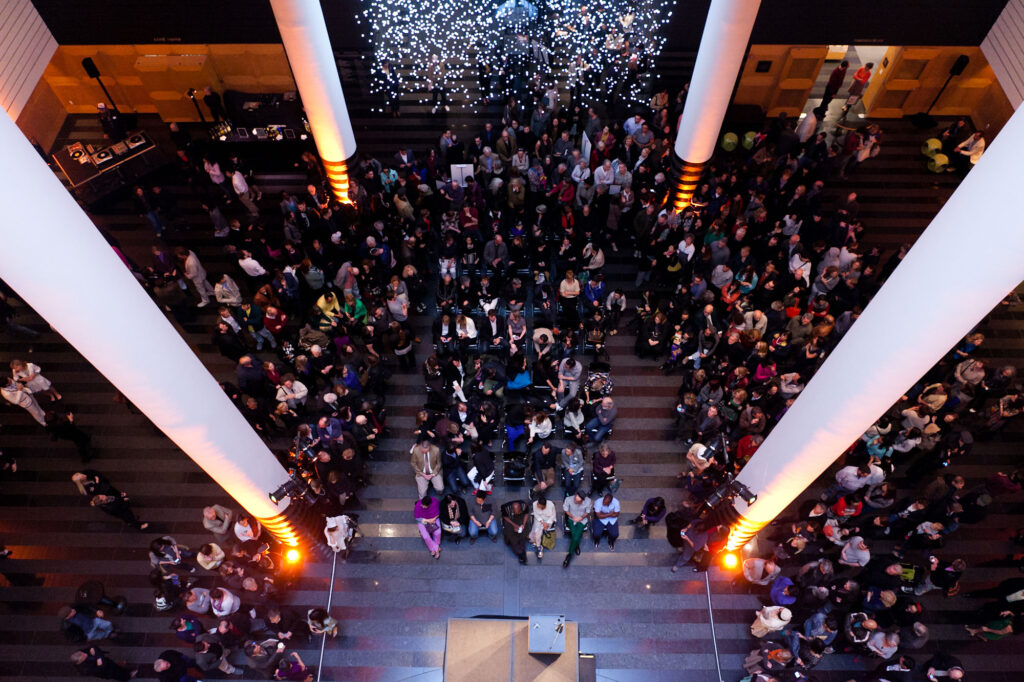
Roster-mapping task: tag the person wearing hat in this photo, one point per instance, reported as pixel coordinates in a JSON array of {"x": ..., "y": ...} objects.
[
  {"x": 770, "y": 619},
  {"x": 110, "y": 120},
  {"x": 337, "y": 533}
]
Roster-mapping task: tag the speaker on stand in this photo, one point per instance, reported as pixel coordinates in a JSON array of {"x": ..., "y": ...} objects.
[
  {"x": 93, "y": 72},
  {"x": 924, "y": 119}
]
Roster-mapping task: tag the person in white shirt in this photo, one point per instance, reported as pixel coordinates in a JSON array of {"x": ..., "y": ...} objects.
[
  {"x": 19, "y": 395},
  {"x": 245, "y": 195},
  {"x": 855, "y": 553},
  {"x": 226, "y": 291},
  {"x": 545, "y": 515},
  {"x": 970, "y": 150},
  {"x": 686, "y": 249},
  {"x": 606, "y": 520},
  {"x": 581, "y": 172},
  {"x": 196, "y": 273},
  {"x": 292, "y": 391},
  {"x": 605, "y": 175},
  {"x": 251, "y": 266}
]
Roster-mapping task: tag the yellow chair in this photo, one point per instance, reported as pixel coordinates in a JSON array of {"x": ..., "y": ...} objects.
[
  {"x": 729, "y": 141},
  {"x": 938, "y": 163},
  {"x": 931, "y": 147},
  {"x": 748, "y": 139}
]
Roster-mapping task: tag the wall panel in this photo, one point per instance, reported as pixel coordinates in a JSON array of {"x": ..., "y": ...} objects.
[
  {"x": 26, "y": 46},
  {"x": 154, "y": 78},
  {"x": 1004, "y": 49}
]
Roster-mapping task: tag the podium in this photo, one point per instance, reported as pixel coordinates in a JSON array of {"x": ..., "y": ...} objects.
[
  {"x": 547, "y": 635},
  {"x": 541, "y": 649}
]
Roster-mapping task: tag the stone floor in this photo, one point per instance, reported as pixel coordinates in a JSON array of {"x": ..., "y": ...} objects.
[{"x": 641, "y": 621}]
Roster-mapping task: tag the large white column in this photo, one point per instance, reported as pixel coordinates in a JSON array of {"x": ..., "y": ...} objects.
[
  {"x": 719, "y": 60},
  {"x": 304, "y": 34},
  {"x": 960, "y": 268},
  {"x": 59, "y": 264}
]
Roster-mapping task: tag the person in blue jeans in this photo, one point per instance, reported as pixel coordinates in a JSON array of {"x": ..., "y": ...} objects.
[
  {"x": 603, "y": 421},
  {"x": 606, "y": 520},
  {"x": 92, "y": 625},
  {"x": 454, "y": 473},
  {"x": 572, "y": 464},
  {"x": 481, "y": 517}
]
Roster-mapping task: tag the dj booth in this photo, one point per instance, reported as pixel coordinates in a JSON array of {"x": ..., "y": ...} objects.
[
  {"x": 261, "y": 117},
  {"x": 95, "y": 173}
]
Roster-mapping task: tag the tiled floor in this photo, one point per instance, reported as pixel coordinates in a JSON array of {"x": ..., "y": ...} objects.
[{"x": 641, "y": 621}]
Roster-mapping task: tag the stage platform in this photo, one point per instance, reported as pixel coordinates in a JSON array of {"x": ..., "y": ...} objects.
[{"x": 498, "y": 650}]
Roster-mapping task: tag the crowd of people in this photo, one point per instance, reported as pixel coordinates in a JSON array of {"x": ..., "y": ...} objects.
[{"x": 744, "y": 293}]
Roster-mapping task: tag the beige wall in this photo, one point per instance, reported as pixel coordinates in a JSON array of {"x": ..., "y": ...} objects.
[
  {"x": 42, "y": 115},
  {"x": 993, "y": 110},
  {"x": 153, "y": 79},
  {"x": 915, "y": 75},
  {"x": 784, "y": 88}
]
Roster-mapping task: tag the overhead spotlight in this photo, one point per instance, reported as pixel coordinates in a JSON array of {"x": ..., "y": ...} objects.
[
  {"x": 293, "y": 556},
  {"x": 730, "y": 560},
  {"x": 293, "y": 488}
]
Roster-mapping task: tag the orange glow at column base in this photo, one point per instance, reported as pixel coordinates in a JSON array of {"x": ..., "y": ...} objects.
[
  {"x": 337, "y": 176},
  {"x": 687, "y": 178},
  {"x": 282, "y": 529},
  {"x": 741, "y": 532}
]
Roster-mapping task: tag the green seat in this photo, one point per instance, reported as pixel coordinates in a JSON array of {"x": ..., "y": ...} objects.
[
  {"x": 938, "y": 163},
  {"x": 931, "y": 147},
  {"x": 748, "y": 139},
  {"x": 729, "y": 141}
]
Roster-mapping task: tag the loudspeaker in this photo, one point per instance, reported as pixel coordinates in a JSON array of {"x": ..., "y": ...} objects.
[
  {"x": 959, "y": 65},
  {"x": 90, "y": 67}
]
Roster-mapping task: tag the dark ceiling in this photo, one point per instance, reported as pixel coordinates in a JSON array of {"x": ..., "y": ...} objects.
[{"x": 881, "y": 22}]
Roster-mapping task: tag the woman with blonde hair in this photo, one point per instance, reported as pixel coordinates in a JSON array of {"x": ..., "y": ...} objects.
[{"x": 29, "y": 374}]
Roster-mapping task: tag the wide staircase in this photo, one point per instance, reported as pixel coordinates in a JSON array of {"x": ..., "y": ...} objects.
[{"x": 641, "y": 621}]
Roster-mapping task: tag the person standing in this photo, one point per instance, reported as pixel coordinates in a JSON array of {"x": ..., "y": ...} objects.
[
  {"x": 8, "y": 326},
  {"x": 577, "y": 512},
  {"x": 544, "y": 517},
  {"x": 17, "y": 394},
  {"x": 435, "y": 83},
  {"x": 392, "y": 85},
  {"x": 835, "y": 81},
  {"x": 221, "y": 522},
  {"x": 30, "y": 375},
  {"x": 244, "y": 192},
  {"x": 217, "y": 177},
  {"x": 145, "y": 204},
  {"x": 62, "y": 426},
  {"x": 196, "y": 273},
  {"x": 214, "y": 103},
  {"x": 110, "y": 121},
  {"x": 694, "y": 537},
  {"x": 860, "y": 82}
]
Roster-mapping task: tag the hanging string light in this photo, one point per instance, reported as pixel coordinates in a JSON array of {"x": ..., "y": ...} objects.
[{"x": 489, "y": 52}]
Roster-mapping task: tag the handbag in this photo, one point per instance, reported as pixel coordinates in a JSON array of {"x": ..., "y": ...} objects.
[
  {"x": 547, "y": 540},
  {"x": 430, "y": 527}
]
